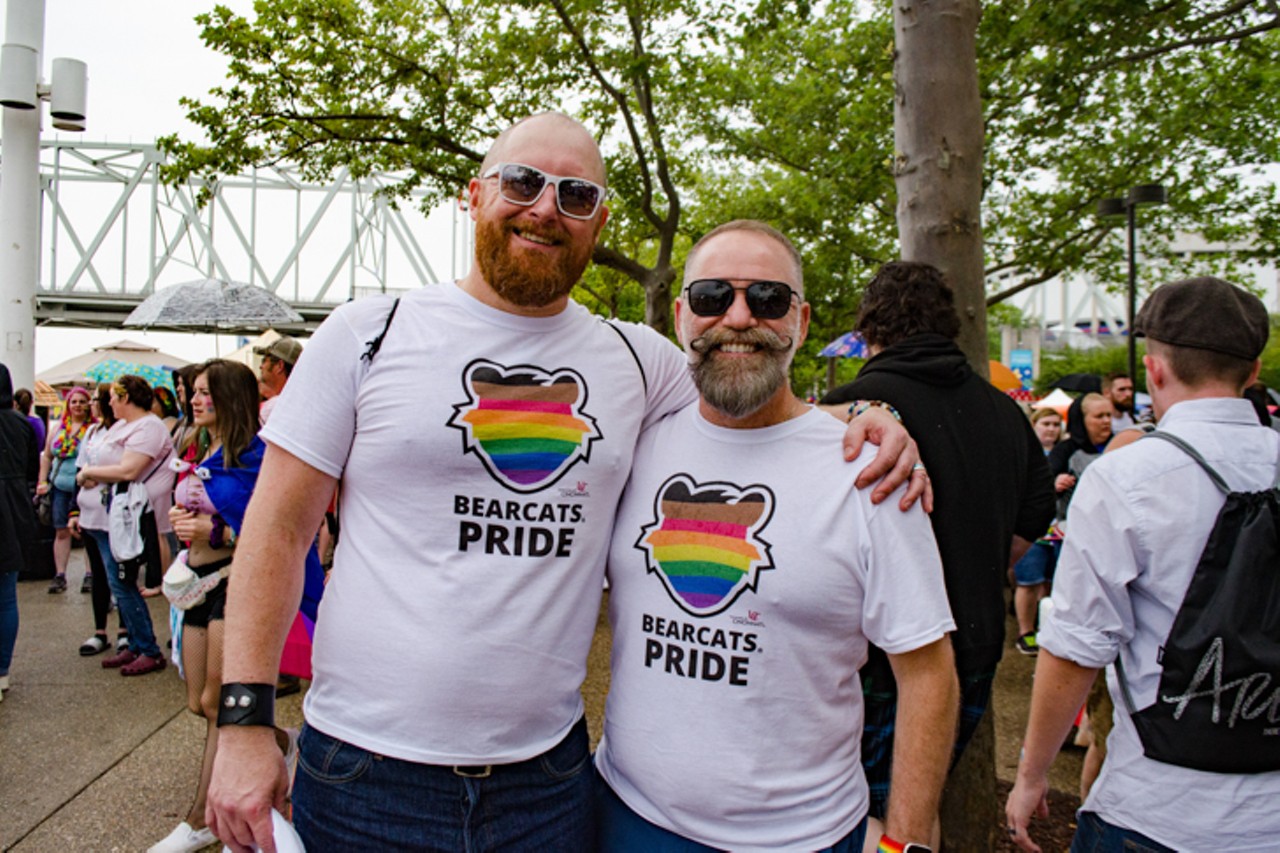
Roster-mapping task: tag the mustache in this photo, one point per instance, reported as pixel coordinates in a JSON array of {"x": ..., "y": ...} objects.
[{"x": 763, "y": 338}]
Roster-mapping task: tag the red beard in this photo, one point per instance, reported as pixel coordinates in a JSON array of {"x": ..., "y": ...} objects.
[{"x": 530, "y": 279}]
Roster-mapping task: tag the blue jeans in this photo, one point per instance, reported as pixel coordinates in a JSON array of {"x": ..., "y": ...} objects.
[
  {"x": 1095, "y": 835},
  {"x": 1037, "y": 565},
  {"x": 624, "y": 831},
  {"x": 133, "y": 608},
  {"x": 8, "y": 618},
  {"x": 347, "y": 798}
]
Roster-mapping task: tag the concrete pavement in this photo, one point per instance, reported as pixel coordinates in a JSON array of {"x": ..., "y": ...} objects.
[{"x": 90, "y": 760}]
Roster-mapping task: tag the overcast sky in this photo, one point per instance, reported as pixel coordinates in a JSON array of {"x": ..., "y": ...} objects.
[{"x": 143, "y": 55}]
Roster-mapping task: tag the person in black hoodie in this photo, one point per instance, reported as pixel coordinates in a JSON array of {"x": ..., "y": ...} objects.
[
  {"x": 1088, "y": 431},
  {"x": 992, "y": 493},
  {"x": 19, "y": 470}
]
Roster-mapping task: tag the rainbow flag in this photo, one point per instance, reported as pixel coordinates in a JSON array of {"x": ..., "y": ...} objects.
[
  {"x": 528, "y": 426},
  {"x": 703, "y": 542}
]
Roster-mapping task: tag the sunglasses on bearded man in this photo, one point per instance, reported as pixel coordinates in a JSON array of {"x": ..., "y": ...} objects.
[
  {"x": 576, "y": 198},
  {"x": 768, "y": 300}
]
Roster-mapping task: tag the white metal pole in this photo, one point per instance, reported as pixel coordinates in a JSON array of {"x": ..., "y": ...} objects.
[{"x": 20, "y": 205}]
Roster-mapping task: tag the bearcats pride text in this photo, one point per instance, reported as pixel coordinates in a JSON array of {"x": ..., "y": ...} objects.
[
  {"x": 700, "y": 663},
  {"x": 516, "y": 528}
]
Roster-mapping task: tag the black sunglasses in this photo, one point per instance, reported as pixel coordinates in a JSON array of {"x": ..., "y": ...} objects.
[
  {"x": 519, "y": 184},
  {"x": 768, "y": 300}
]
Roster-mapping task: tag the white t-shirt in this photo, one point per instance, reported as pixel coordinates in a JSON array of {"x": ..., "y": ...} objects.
[
  {"x": 93, "y": 512},
  {"x": 482, "y": 456},
  {"x": 148, "y": 436},
  {"x": 746, "y": 575},
  {"x": 1140, "y": 519}
]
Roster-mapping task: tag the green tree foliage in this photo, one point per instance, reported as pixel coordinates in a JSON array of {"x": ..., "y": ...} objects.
[
  {"x": 1099, "y": 361},
  {"x": 1270, "y": 373},
  {"x": 780, "y": 110}
]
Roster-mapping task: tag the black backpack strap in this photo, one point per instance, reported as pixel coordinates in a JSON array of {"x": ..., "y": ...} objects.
[
  {"x": 1222, "y": 487},
  {"x": 372, "y": 347},
  {"x": 644, "y": 380},
  {"x": 1194, "y": 454}
]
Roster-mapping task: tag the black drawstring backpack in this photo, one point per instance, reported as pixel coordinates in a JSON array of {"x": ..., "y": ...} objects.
[{"x": 1218, "y": 705}]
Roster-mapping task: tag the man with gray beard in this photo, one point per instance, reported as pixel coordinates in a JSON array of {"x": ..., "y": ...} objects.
[{"x": 747, "y": 577}]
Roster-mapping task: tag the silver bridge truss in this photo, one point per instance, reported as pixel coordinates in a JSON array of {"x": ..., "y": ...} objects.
[{"x": 111, "y": 233}]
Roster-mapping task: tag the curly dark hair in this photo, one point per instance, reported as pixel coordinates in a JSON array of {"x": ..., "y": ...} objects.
[{"x": 906, "y": 298}]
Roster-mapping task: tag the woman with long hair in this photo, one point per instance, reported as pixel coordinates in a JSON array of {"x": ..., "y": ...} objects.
[
  {"x": 58, "y": 474},
  {"x": 210, "y": 501},
  {"x": 136, "y": 449},
  {"x": 93, "y": 516}
]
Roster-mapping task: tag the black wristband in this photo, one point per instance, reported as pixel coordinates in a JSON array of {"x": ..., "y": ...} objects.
[{"x": 247, "y": 705}]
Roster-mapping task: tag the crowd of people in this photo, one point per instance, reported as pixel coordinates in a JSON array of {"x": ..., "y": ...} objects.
[
  {"x": 196, "y": 455},
  {"x": 805, "y": 632}
]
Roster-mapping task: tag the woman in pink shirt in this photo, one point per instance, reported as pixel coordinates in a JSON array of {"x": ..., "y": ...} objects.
[{"x": 136, "y": 449}]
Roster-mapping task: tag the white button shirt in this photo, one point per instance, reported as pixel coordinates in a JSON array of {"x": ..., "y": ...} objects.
[{"x": 1140, "y": 519}]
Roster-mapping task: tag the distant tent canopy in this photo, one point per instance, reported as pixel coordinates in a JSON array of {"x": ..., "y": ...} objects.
[{"x": 106, "y": 362}]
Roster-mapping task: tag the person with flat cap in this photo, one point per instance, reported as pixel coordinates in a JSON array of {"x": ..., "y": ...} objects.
[{"x": 1141, "y": 521}]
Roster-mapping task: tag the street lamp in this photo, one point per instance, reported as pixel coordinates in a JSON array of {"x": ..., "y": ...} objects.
[
  {"x": 22, "y": 90},
  {"x": 1141, "y": 194}
]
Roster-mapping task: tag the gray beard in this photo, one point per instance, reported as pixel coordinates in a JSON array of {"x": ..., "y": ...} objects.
[{"x": 739, "y": 387}]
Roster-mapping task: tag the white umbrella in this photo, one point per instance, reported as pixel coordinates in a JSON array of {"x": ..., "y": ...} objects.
[{"x": 213, "y": 304}]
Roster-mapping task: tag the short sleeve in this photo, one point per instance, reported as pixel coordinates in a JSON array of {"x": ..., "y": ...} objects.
[
  {"x": 905, "y": 606},
  {"x": 1092, "y": 612},
  {"x": 314, "y": 418},
  {"x": 665, "y": 369}
]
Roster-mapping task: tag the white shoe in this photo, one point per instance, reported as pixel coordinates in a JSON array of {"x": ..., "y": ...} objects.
[
  {"x": 184, "y": 839},
  {"x": 4, "y": 682}
]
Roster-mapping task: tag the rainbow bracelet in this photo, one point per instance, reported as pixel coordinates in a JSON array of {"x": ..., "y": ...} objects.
[
  {"x": 888, "y": 845},
  {"x": 861, "y": 407}
]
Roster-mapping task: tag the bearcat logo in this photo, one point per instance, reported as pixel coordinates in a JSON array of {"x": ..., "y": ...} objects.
[
  {"x": 704, "y": 542},
  {"x": 526, "y": 424}
]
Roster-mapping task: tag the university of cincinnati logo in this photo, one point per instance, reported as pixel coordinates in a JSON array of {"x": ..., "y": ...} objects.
[
  {"x": 527, "y": 425},
  {"x": 704, "y": 542}
]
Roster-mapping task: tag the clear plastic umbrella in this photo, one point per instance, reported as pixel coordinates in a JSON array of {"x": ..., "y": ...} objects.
[{"x": 213, "y": 304}]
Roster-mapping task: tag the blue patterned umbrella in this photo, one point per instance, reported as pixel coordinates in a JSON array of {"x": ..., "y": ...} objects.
[
  {"x": 107, "y": 371},
  {"x": 848, "y": 345}
]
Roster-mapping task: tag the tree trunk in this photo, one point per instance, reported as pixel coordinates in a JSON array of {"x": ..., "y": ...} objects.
[
  {"x": 657, "y": 298},
  {"x": 938, "y": 132},
  {"x": 970, "y": 811}
]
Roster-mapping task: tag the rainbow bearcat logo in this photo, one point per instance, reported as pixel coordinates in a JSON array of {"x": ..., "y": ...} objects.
[
  {"x": 704, "y": 542},
  {"x": 526, "y": 424}
]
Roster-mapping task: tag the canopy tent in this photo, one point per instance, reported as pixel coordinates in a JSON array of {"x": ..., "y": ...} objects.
[
  {"x": 94, "y": 365},
  {"x": 1003, "y": 377},
  {"x": 1058, "y": 400}
]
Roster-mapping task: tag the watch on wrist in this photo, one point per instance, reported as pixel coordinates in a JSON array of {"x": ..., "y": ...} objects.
[{"x": 247, "y": 705}]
